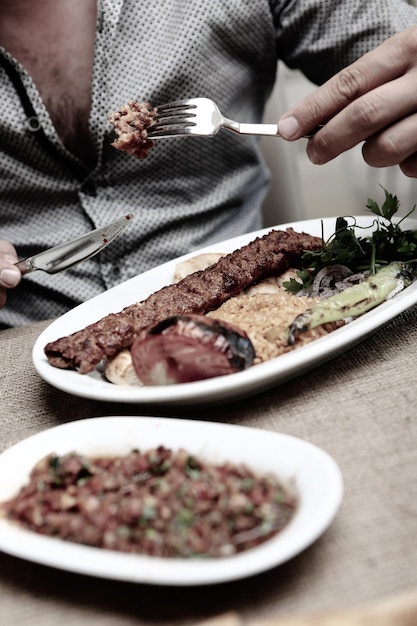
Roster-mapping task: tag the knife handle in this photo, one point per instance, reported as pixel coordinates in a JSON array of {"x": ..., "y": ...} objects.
[{"x": 25, "y": 266}]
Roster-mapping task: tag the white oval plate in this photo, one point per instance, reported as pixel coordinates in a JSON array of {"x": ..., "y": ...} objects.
[
  {"x": 222, "y": 388},
  {"x": 316, "y": 477}
]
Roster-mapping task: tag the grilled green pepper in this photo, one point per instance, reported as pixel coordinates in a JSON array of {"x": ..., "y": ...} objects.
[{"x": 355, "y": 300}]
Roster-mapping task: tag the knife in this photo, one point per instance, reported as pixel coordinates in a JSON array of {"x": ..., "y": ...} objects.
[{"x": 67, "y": 254}]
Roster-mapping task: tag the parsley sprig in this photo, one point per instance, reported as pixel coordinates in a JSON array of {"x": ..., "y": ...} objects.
[{"x": 387, "y": 243}]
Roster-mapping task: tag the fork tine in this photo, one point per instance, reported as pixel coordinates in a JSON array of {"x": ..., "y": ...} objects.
[
  {"x": 172, "y": 131},
  {"x": 182, "y": 117},
  {"x": 168, "y": 123},
  {"x": 176, "y": 106},
  {"x": 172, "y": 117}
]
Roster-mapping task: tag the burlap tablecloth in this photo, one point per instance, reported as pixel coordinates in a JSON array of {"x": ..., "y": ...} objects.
[{"x": 360, "y": 407}]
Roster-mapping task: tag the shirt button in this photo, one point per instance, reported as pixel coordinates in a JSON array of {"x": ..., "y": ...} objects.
[
  {"x": 89, "y": 188},
  {"x": 115, "y": 270}
]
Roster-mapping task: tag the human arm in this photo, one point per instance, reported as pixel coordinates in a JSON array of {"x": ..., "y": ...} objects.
[
  {"x": 9, "y": 275},
  {"x": 373, "y": 100}
]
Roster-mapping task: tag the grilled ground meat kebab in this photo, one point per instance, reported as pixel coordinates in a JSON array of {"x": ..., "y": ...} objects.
[{"x": 198, "y": 293}]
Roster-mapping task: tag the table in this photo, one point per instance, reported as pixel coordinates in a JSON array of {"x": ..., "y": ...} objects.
[{"x": 360, "y": 407}]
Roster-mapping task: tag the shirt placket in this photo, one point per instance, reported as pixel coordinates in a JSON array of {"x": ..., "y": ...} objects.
[{"x": 94, "y": 195}]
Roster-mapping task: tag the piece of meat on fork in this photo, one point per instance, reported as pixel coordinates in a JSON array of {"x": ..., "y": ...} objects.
[{"x": 130, "y": 124}]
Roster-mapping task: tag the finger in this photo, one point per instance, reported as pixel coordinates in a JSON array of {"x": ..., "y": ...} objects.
[
  {"x": 383, "y": 64},
  {"x": 10, "y": 276},
  {"x": 409, "y": 166},
  {"x": 3, "y": 297},
  {"x": 393, "y": 145},
  {"x": 387, "y": 112},
  {"x": 6, "y": 248}
]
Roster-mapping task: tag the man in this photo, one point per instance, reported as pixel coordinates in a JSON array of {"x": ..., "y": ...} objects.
[{"x": 65, "y": 66}]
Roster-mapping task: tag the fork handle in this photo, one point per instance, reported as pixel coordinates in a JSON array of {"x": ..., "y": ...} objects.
[
  {"x": 269, "y": 130},
  {"x": 251, "y": 129}
]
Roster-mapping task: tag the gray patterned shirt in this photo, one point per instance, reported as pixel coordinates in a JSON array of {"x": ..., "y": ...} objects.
[{"x": 188, "y": 192}]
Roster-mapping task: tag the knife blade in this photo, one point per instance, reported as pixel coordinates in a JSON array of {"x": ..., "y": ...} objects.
[{"x": 67, "y": 254}]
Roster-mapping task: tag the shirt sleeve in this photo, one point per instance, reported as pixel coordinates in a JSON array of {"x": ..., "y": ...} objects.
[{"x": 320, "y": 37}]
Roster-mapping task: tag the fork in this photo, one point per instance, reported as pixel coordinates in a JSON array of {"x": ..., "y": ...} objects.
[{"x": 201, "y": 117}]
